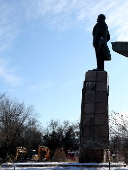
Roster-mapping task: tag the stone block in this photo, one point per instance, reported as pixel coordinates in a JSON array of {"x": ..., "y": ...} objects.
[
  {"x": 101, "y": 86},
  {"x": 102, "y": 97},
  {"x": 88, "y": 142},
  {"x": 88, "y": 119},
  {"x": 88, "y": 131},
  {"x": 101, "y": 119},
  {"x": 89, "y": 97},
  {"x": 95, "y": 142},
  {"x": 90, "y": 87},
  {"x": 101, "y": 131},
  {"x": 101, "y": 108},
  {"x": 92, "y": 155},
  {"x": 89, "y": 108},
  {"x": 102, "y": 142},
  {"x": 101, "y": 76},
  {"x": 90, "y": 76}
]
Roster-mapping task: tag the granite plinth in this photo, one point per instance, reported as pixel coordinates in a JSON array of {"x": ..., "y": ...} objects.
[{"x": 94, "y": 129}]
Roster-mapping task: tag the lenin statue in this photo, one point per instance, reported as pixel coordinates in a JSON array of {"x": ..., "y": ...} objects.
[{"x": 100, "y": 38}]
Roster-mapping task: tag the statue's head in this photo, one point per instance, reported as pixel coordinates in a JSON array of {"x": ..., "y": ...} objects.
[{"x": 101, "y": 17}]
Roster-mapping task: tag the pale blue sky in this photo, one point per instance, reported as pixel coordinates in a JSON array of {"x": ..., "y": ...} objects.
[{"x": 46, "y": 48}]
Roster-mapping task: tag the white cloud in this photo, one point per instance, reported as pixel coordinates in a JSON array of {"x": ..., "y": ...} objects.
[
  {"x": 63, "y": 14},
  {"x": 7, "y": 74},
  {"x": 8, "y": 24},
  {"x": 9, "y": 20}
]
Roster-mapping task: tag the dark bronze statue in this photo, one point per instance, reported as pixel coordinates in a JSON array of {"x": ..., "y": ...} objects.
[{"x": 100, "y": 38}]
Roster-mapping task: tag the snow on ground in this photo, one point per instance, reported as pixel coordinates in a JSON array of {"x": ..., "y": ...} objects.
[
  {"x": 60, "y": 166},
  {"x": 64, "y": 168}
]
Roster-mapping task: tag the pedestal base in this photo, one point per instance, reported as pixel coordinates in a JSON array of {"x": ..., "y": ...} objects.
[
  {"x": 92, "y": 155},
  {"x": 94, "y": 129}
]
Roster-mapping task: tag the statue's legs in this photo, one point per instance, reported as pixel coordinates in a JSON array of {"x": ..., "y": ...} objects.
[{"x": 100, "y": 60}]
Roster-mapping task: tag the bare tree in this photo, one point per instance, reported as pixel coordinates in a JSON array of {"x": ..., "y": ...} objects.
[
  {"x": 64, "y": 135},
  {"x": 16, "y": 123},
  {"x": 119, "y": 124},
  {"x": 119, "y": 134}
]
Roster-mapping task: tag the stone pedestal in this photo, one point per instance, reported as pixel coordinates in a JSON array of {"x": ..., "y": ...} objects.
[{"x": 94, "y": 129}]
